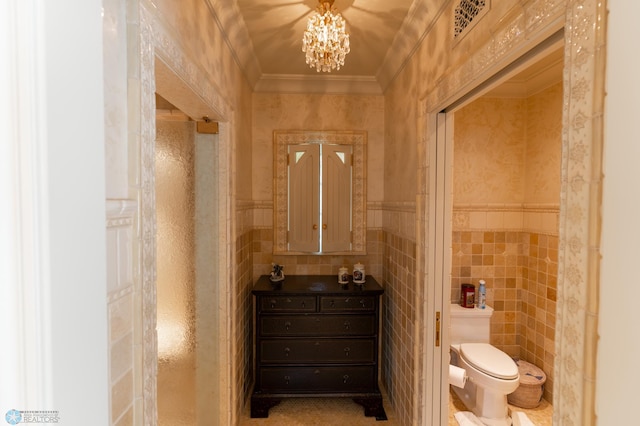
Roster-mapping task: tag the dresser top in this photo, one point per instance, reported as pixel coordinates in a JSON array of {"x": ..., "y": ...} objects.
[{"x": 315, "y": 284}]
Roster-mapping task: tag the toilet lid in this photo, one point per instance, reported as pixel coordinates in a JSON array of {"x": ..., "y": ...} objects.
[{"x": 490, "y": 360}]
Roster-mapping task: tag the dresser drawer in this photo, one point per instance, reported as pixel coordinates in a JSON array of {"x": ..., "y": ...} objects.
[
  {"x": 347, "y": 303},
  {"x": 287, "y": 304},
  {"x": 317, "y": 351},
  {"x": 318, "y": 379},
  {"x": 317, "y": 325}
]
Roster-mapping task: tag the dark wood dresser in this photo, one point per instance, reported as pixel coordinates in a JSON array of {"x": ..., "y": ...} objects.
[{"x": 316, "y": 338}]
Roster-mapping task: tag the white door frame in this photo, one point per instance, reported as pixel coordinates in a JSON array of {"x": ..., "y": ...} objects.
[{"x": 438, "y": 283}]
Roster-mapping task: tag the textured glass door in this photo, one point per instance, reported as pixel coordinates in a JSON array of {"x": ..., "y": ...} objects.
[{"x": 175, "y": 211}]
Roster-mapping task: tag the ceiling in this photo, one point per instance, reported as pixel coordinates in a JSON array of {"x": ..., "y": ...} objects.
[
  {"x": 383, "y": 33},
  {"x": 266, "y": 37},
  {"x": 276, "y": 27}
]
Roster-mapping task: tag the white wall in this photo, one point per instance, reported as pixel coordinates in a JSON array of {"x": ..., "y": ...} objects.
[
  {"x": 618, "y": 374},
  {"x": 53, "y": 125}
]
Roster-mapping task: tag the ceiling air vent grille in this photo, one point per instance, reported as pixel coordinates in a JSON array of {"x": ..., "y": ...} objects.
[{"x": 468, "y": 12}]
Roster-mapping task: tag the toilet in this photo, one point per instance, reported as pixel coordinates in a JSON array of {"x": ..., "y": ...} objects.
[{"x": 491, "y": 373}]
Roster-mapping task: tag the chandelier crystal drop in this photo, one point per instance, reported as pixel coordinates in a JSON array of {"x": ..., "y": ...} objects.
[{"x": 325, "y": 41}]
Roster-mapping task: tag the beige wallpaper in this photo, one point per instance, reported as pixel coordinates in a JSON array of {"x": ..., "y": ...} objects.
[
  {"x": 544, "y": 146},
  {"x": 489, "y": 152},
  {"x": 400, "y": 157},
  {"x": 508, "y": 150}
]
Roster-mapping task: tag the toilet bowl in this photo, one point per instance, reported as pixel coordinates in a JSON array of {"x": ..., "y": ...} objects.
[{"x": 491, "y": 373}]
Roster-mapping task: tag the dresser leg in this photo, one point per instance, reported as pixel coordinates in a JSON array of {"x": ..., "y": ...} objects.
[
  {"x": 372, "y": 407},
  {"x": 260, "y": 406}
]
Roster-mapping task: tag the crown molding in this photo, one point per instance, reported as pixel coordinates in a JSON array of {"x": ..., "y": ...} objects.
[{"x": 326, "y": 84}]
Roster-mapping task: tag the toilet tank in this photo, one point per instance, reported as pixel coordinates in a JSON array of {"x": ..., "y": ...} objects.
[{"x": 469, "y": 325}]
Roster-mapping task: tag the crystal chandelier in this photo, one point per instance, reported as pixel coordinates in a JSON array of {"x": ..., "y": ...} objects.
[{"x": 325, "y": 41}]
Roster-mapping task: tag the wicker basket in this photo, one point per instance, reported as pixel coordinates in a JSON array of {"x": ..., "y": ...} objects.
[{"x": 529, "y": 392}]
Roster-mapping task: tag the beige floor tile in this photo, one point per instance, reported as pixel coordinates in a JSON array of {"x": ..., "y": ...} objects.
[
  {"x": 318, "y": 412},
  {"x": 540, "y": 416}
]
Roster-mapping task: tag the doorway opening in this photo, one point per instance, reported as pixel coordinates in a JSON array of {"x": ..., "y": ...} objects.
[
  {"x": 186, "y": 199},
  {"x": 493, "y": 198},
  {"x": 163, "y": 70},
  {"x": 507, "y": 148}
]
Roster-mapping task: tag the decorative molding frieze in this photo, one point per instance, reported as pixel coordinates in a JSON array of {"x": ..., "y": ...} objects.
[
  {"x": 508, "y": 207},
  {"x": 326, "y": 84},
  {"x": 176, "y": 57},
  {"x": 515, "y": 37},
  {"x": 147, "y": 252},
  {"x": 262, "y": 204},
  {"x": 580, "y": 221},
  {"x": 398, "y": 206},
  {"x": 244, "y": 205}
]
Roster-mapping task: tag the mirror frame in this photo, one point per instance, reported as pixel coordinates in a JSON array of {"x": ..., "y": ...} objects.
[{"x": 282, "y": 139}]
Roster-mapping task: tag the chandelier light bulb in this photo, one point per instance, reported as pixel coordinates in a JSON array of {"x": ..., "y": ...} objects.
[{"x": 325, "y": 41}]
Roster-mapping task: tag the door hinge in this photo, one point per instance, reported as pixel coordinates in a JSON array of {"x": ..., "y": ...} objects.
[{"x": 437, "y": 329}]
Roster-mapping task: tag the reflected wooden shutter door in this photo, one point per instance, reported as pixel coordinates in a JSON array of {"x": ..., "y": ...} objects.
[
  {"x": 336, "y": 198},
  {"x": 304, "y": 187}
]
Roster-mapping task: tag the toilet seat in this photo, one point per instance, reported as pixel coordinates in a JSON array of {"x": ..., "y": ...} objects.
[{"x": 489, "y": 360}]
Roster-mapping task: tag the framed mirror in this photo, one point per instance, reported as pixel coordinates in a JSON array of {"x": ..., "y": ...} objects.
[{"x": 319, "y": 192}]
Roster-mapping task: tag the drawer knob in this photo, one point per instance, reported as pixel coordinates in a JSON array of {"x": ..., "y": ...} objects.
[
  {"x": 333, "y": 304},
  {"x": 347, "y": 325},
  {"x": 287, "y": 325},
  {"x": 303, "y": 303},
  {"x": 287, "y": 379},
  {"x": 346, "y": 351},
  {"x": 273, "y": 303},
  {"x": 286, "y": 352},
  {"x": 316, "y": 372},
  {"x": 345, "y": 379},
  {"x": 363, "y": 303}
]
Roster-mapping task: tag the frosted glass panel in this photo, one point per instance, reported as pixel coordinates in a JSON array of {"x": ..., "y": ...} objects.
[{"x": 175, "y": 208}]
